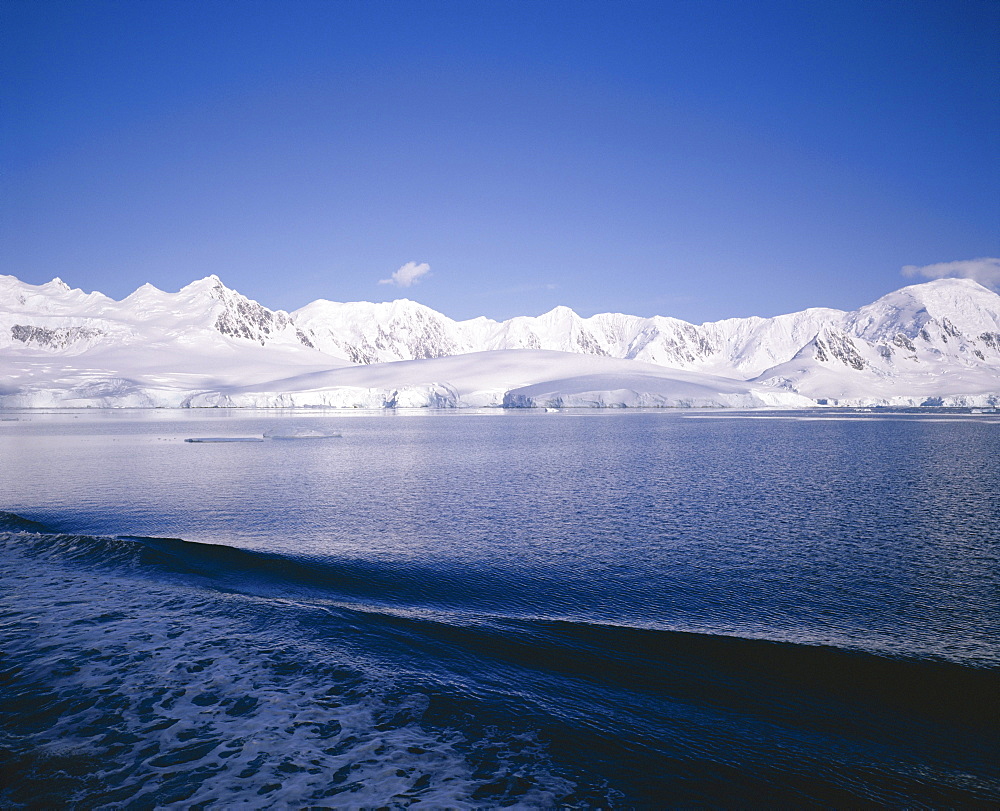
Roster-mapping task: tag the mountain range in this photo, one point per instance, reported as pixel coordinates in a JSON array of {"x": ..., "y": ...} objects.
[{"x": 936, "y": 343}]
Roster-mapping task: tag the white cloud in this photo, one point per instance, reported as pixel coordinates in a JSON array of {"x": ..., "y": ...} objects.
[
  {"x": 985, "y": 270},
  {"x": 408, "y": 275}
]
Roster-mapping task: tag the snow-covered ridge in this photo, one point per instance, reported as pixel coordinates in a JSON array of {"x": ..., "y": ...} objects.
[
  {"x": 208, "y": 344},
  {"x": 956, "y": 319}
]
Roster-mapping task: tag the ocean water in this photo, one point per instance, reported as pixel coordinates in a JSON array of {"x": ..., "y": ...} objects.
[{"x": 592, "y": 609}]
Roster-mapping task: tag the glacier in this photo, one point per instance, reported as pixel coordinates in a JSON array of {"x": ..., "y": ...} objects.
[{"x": 936, "y": 343}]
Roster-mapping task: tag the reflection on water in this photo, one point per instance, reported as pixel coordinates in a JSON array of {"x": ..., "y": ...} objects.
[
  {"x": 493, "y": 608},
  {"x": 875, "y": 533}
]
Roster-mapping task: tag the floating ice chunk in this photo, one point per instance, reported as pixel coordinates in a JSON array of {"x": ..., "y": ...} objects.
[
  {"x": 298, "y": 433},
  {"x": 225, "y": 439}
]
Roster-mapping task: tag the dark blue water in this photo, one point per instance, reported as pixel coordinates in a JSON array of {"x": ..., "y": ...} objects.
[{"x": 595, "y": 610}]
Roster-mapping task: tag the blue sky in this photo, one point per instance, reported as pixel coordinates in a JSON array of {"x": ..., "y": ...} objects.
[{"x": 697, "y": 159}]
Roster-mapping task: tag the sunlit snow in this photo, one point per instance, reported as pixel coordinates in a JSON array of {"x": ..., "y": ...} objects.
[{"x": 936, "y": 343}]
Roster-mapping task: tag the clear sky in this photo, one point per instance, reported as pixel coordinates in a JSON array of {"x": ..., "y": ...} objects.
[{"x": 698, "y": 159}]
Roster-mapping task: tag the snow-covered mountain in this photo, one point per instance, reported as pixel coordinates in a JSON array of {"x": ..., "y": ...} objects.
[
  {"x": 63, "y": 347},
  {"x": 937, "y": 342},
  {"x": 65, "y": 319},
  {"x": 929, "y": 342}
]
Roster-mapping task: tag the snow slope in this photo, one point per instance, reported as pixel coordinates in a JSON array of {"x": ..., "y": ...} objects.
[
  {"x": 937, "y": 342},
  {"x": 504, "y": 377}
]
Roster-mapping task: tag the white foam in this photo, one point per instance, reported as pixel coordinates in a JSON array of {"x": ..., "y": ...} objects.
[{"x": 164, "y": 678}]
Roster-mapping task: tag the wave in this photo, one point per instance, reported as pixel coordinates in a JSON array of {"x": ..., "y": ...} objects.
[
  {"x": 642, "y": 707},
  {"x": 631, "y": 657},
  {"x": 224, "y": 564},
  {"x": 15, "y": 523}
]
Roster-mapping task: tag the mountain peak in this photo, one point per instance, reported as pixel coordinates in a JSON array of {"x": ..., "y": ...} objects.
[
  {"x": 210, "y": 282},
  {"x": 560, "y": 311},
  {"x": 943, "y": 294},
  {"x": 950, "y": 285},
  {"x": 964, "y": 303}
]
